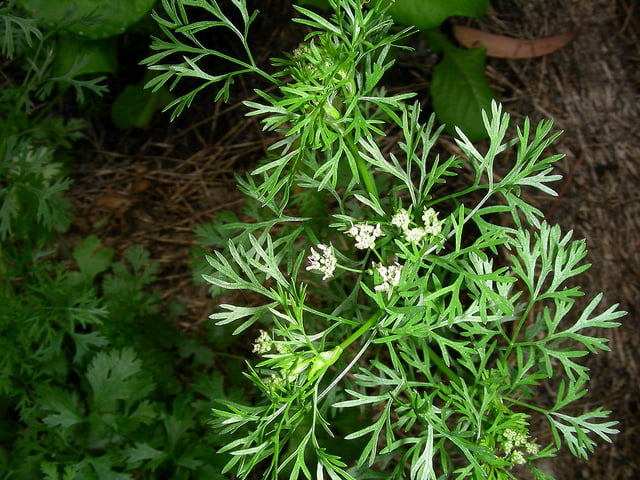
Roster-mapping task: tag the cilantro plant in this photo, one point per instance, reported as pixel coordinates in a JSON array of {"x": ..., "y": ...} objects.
[
  {"x": 405, "y": 327},
  {"x": 459, "y": 90}
]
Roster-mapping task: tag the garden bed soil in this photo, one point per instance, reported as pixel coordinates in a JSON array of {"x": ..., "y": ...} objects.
[{"x": 153, "y": 187}]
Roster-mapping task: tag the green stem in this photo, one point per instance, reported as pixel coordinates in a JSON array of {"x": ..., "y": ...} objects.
[
  {"x": 528, "y": 405},
  {"x": 230, "y": 355},
  {"x": 360, "y": 331},
  {"x": 366, "y": 177},
  {"x": 330, "y": 357},
  {"x": 369, "y": 184},
  {"x": 523, "y": 318},
  {"x": 461, "y": 193}
]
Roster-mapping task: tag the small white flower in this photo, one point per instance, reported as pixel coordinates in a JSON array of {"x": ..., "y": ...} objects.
[
  {"x": 324, "y": 262},
  {"x": 263, "y": 343},
  {"x": 390, "y": 277},
  {"x": 513, "y": 441},
  {"x": 414, "y": 235},
  {"x": 517, "y": 457},
  {"x": 532, "y": 448},
  {"x": 520, "y": 439},
  {"x": 279, "y": 382},
  {"x": 507, "y": 447},
  {"x": 365, "y": 235},
  {"x": 401, "y": 219},
  {"x": 432, "y": 225},
  {"x": 300, "y": 52}
]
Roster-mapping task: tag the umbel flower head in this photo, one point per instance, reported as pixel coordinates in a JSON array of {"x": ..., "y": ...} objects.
[
  {"x": 263, "y": 343},
  {"x": 401, "y": 219},
  {"x": 365, "y": 235},
  {"x": 512, "y": 444},
  {"x": 390, "y": 276},
  {"x": 431, "y": 223},
  {"x": 432, "y": 226},
  {"x": 323, "y": 261}
]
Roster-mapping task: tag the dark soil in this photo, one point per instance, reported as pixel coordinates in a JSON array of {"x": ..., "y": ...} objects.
[{"x": 153, "y": 187}]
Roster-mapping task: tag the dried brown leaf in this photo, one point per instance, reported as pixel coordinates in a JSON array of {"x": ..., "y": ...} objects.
[{"x": 501, "y": 46}]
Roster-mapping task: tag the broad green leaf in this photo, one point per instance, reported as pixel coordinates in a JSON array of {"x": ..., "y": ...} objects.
[
  {"x": 64, "y": 412},
  {"x": 86, "y": 342},
  {"x": 141, "y": 452},
  {"x": 423, "y": 14},
  {"x": 117, "y": 375},
  {"x": 460, "y": 91},
  {"x": 426, "y": 14},
  {"x": 91, "y": 258},
  {"x": 135, "y": 105},
  {"x": 51, "y": 472},
  {"x": 180, "y": 421},
  {"x": 146, "y": 413},
  {"x": 93, "y": 19},
  {"x": 85, "y": 56},
  {"x": 104, "y": 469}
]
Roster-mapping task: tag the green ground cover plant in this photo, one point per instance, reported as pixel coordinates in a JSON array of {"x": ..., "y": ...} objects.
[
  {"x": 403, "y": 329},
  {"x": 96, "y": 381},
  {"x": 89, "y": 375},
  {"x": 89, "y": 383},
  {"x": 78, "y": 47}
]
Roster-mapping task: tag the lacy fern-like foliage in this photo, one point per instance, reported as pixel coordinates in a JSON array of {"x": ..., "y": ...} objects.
[{"x": 439, "y": 316}]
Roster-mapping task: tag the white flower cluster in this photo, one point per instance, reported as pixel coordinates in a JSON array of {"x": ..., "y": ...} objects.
[
  {"x": 280, "y": 381},
  {"x": 431, "y": 223},
  {"x": 324, "y": 262},
  {"x": 390, "y": 276},
  {"x": 263, "y": 343},
  {"x": 514, "y": 440},
  {"x": 365, "y": 235},
  {"x": 432, "y": 226},
  {"x": 401, "y": 219}
]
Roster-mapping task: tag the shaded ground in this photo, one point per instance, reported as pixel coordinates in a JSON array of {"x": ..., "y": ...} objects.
[
  {"x": 153, "y": 187},
  {"x": 591, "y": 88}
]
